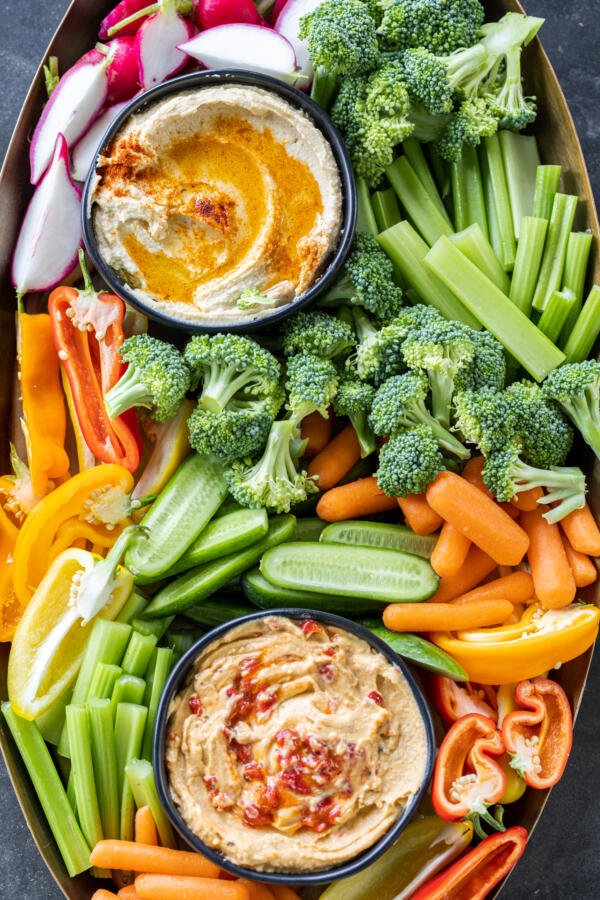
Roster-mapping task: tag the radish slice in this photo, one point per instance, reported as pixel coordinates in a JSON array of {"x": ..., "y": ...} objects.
[
  {"x": 211, "y": 13},
  {"x": 288, "y": 25},
  {"x": 73, "y": 105},
  {"x": 122, "y": 10},
  {"x": 50, "y": 235},
  {"x": 123, "y": 71},
  {"x": 86, "y": 148},
  {"x": 157, "y": 44},
  {"x": 244, "y": 47}
]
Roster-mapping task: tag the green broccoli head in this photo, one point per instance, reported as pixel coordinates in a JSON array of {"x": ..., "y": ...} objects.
[
  {"x": 545, "y": 435},
  {"x": 575, "y": 387},
  {"x": 229, "y": 434},
  {"x": 253, "y": 298},
  {"x": 409, "y": 462},
  {"x": 341, "y": 36},
  {"x": 488, "y": 366},
  {"x": 354, "y": 399},
  {"x": 228, "y": 365},
  {"x": 379, "y": 351},
  {"x": 311, "y": 383},
  {"x": 426, "y": 78},
  {"x": 318, "y": 333},
  {"x": 481, "y": 417},
  {"x": 440, "y": 25},
  {"x": 157, "y": 378},
  {"x": 475, "y": 118},
  {"x": 368, "y": 280}
]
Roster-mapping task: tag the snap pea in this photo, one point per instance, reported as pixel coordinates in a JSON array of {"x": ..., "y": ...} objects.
[
  {"x": 379, "y": 534},
  {"x": 419, "y": 651},
  {"x": 267, "y": 596}
]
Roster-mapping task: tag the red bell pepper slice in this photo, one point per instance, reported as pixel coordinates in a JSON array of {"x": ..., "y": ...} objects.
[
  {"x": 453, "y": 700},
  {"x": 466, "y": 778},
  {"x": 539, "y": 737},
  {"x": 476, "y": 874}
]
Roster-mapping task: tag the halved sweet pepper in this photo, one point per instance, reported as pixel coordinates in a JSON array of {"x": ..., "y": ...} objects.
[
  {"x": 17, "y": 496},
  {"x": 10, "y": 608},
  {"x": 539, "y": 737},
  {"x": 453, "y": 700}
]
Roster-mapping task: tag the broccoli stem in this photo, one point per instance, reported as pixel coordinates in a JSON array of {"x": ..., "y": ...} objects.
[
  {"x": 530, "y": 250},
  {"x": 555, "y": 315},
  {"x": 365, "y": 329},
  {"x": 324, "y": 87},
  {"x": 421, "y": 209},
  {"x": 220, "y": 385},
  {"x": 585, "y": 413},
  {"x": 521, "y": 159},
  {"x": 414, "y": 153},
  {"x": 576, "y": 263},
  {"x": 386, "y": 209},
  {"x": 467, "y": 191},
  {"x": 498, "y": 195},
  {"x": 442, "y": 388},
  {"x": 474, "y": 245},
  {"x": 547, "y": 183},
  {"x": 128, "y": 392},
  {"x": 366, "y": 438},
  {"x": 564, "y": 486},
  {"x": 365, "y": 217},
  {"x": 555, "y": 251},
  {"x": 586, "y": 329},
  {"x": 445, "y": 439}
]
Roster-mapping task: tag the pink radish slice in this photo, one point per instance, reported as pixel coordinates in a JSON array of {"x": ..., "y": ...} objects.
[
  {"x": 86, "y": 148},
  {"x": 244, "y": 47},
  {"x": 50, "y": 235},
  {"x": 122, "y": 10},
  {"x": 157, "y": 44},
  {"x": 288, "y": 25},
  {"x": 210, "y": 13},
  {"x": 123, "y": 70},
  {"x": 279, "y": 4},
  {"x": 73, "y": 105}
]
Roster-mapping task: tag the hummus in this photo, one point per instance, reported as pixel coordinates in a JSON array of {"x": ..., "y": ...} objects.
[
  {"x": 213, "y": 192},
  {"x": 294, "y": 746}
]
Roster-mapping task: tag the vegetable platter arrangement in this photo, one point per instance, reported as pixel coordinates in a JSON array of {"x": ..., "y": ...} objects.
[{"x": 230, "y": 515}]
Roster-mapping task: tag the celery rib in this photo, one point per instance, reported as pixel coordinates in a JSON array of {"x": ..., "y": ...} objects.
[
  {"x": 530, "y": 250},
  {"x": 586, "y": 329},
  {"x": 156, "y": 683},
  {"x": 499, "y": 197},
  {"x": 555, "y": 251},
  {"x": 130, "y": 722},
  {"x": 386, "y": 209},
  {"x": 414, "y": 198},
  {"x": 474, "y": 245},
  {"x": 547, "y": 183},
  {"x": 82, "y": 773},
  {"x": 521, "y": 160},
  {"x": 104, "y": 759},
  {"x": 579, "y": 248},
  {"x": 558, "y": 307},
  {"x": 140, "y": 776}
]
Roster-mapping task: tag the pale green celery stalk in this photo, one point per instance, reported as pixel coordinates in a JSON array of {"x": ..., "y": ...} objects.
[
  {"x": 547, "y": 183},
  {"x": 441, "y": 172},
  {"x": 365, "y": 219},
  {"x": 467, "y": 192},
  {"x": 416, "y": 157},
  {"x": 576, "y": 264},
  {"x": 157, "y": 627},
  {"x": 51, "y": 723},
  {"x": 555, "y": 315},
  {"x": 473, "y": 243},
  {"x": 555, "y": 251},
  {"x": 521, "y": 160},
  {"x": 586, "y": 329},
  {"x": 106, "y": 644},
  {"x": 128, "y": 689},
  {"x": 50, "y": 792},
  {"x": 82, "y": 771},
  {"x": 103, "y": 681},
  {"x": 104, "y": 760},
  {"x": 156, "y": 683},
  {"x": 414, "y": 198},
  {"x": 138, "y": 653},
  {"x": 499, "y": 197},
  {"x": 133, "y": 609},
  {"x": 488, "y": 194},
  {"x": 495, "y": 311},
  {"x": 530, "y": 251},
  {"x": 130, "y": 722},
  {"x": 324, "y": 86},
  {"x": 386, "y": 209},
  {"x": 140, "y": 776},
  {"x": 407, "y": 250}
]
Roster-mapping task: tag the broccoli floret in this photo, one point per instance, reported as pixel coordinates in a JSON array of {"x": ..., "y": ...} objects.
[
  {"x": 513, "y": 108},
  {"x": 576, "y": 389},
  {"x": 440, "y": 25},
  {"x": 318, "y": 333},
  {"x": 229, "y": 434},
  {"x": 399, "y": 404},
  {"x": 379, "y": 351},
  {"x": 426, "y": 78},
  {"x": 409, "y": 462},
  {"x": 157, "y": 378},
  {"x": 475, "y": 119},
  {"x": 230, "y": 364},
  {"x": 545, "y": 435},
  {"x": 354, "y": 399},
  {"x": 311, "y": 384},
  {"x": 252, "y": 298},
  {"x": 341, "y": 36},
  {"x": 487, "y": 368},
  {"x": 368, "y": 280},
  {"x": 506, "y": 475},
  {"x": 482, "y": 418}
]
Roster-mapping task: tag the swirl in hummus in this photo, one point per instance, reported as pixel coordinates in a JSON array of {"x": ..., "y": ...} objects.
[
  {"x": 294, "y": 745},
  {"x": 213, "y": 192}
]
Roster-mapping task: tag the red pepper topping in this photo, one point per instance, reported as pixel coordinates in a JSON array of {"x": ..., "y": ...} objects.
[
  {"x": 255, "y": 817},
  {"x": 330, "y": 651},
  {"x": 322, "y": 816},
  {"x": 254, "y": 772},
  {"x": 376, "y": 697},
  {"x": 294, "y": 780},
  {"x": 326, "y": 671},
  {"x": 195, "y": 705},
  {"x": 310, "y": 627}
]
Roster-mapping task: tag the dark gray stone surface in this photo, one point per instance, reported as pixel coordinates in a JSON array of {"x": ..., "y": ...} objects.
[{"x": 562, "y": 859}]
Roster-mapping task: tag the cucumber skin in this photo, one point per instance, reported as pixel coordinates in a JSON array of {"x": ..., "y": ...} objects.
[
  {"x": 418, "y": 651},
  {"x": 263, "y": 594},
  {"x": 400, "y": 537},
  {"x": 211, "y": 613},
  {"x": 309, "y": 529}
]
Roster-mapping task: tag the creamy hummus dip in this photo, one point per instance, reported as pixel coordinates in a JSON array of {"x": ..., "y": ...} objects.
[
  {"x": 294, "y": 746},
  {"x": 213, "y": 192}
]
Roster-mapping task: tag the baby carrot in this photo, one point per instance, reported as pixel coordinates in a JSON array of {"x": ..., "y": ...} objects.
[
  {"x": 283, "y": 892},
  {"x": 477, "y": 566},
  {"x": 553, "y": 581},
  {"x": 129, "y": 893},
  {"x": 418, "y": 514},
  {"x": 478, "y": 518},
  {"x": 336, "y": 459},
  {"x": 516, "y": 587},
  {"x": 181, "y": 887},
  {"x": 473, "y": 472},
  {"x": 446, "y": 616},
  {"x": 145, "y": 828},
  {"x": 257, "y": 891},
  {"x": 582, "y": 568},
  {"x": 350, "y": 501},
  {"x": 316, "y": 430},
  {"x": 583, "y": 533},
  {"x": 450, "y": 551},
  {"x": 112, "y": 854},
  {"x": 527, "y": 501},
  {"x": 101, "y": 894}
]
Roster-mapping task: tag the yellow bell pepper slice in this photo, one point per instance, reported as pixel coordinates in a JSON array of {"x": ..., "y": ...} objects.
[
  {"x": 10, "y": 608},
  {"x": 74, "y": 530},
  {"x": 170, "y": 446}
]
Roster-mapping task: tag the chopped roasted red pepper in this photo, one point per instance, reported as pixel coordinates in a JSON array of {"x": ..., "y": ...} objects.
[
  {"x": 539, "y": 737},
  {"x": 376, "y": 697},
  {"x": 310, "y": 627},
  {"x": 195, "y": 705},
  {"x": 453, "y": 700}
]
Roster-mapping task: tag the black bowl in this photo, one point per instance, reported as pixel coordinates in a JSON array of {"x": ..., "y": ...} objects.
[
  {"x": 296, "y": 98},
  {"x": 176, "y": 681}
]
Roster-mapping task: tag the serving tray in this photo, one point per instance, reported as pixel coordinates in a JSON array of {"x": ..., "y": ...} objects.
[{"x": 558, "y": 143}]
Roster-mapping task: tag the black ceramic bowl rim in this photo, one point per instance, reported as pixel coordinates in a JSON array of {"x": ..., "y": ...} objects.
[
  {"x": 174, "y": 684},
  {"x": 296, "y": 98}
]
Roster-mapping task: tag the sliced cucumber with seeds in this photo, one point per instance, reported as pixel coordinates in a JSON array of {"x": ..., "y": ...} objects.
[
  {"x": 378, "y": 534},
  {"x": 349, "y": 571},
  {"x": 267, "y": 596},
  {"x": 418, "y": 650}
]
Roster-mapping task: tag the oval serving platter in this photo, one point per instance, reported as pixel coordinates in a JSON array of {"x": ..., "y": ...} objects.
[{"x": 558, "y": 143}]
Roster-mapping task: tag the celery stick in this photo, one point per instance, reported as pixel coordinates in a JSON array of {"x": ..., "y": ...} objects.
[
  {"x": 156, "y": 684},
  {"x": 82, "y": 770},
  {"x": 407, "y": 250},
  {"x": 157, "y": 627},
  {"x": 440, "y": 170},
  {"x": 104, "y": 759},
  {"x": 586, "y": 329},
  {"x": 414, "y": 198},
  {"x": 547, "y": 183},
  {"x": 414, "y": 153},
  {"x": 555, "y": 315},
  {"x": 52, "y": 722},
  {"x": 530, "y": 347},
  {"x": 138, "y": 653},
  {"x": 127, "y": 689},
  {"x": 103, "y": 681},
  {"x": 499, "y": 196},
  {"x": 130, "y": 722},
  {"x": 473, "y": 243},
  {"x": 324, "y": 85},
  {"x": 555, "y": 251},
  {"x": 140, "y": 776},
  {"x": 386, "y": 209},
  {"x": 576, "y": 263},
  {"x": 488, "y": 195},
  {"x": 50, "y": 792},
  {"x": 365, "y": 219},
  {"x": 134, "y": 608},
  {"x": 467, "y": 191},
  {"x": 521, "y": 159},
  {"x": 530, "y": 250}
]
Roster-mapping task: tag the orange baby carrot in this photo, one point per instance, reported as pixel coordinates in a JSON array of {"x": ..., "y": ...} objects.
[
  {"x": 102, "y": 894},
  {"x": 350, "y": 501},
  {"x": 418, "y": 514},
  {"x": 450, "y": 551},
  {"x": 113, "y": 854},
  {"x": 516, "y": 587},
  {"x": 129, "y": 893},
  {"x": 553, "y": 581},
  {"x": 478, "y": 518},
  {"x": 182, "y": 887},
  {"x": 316, "y": 430},
  {"x": 582, "y": 568},
  {"x": 283, "y": 892},
  {"x": 257, "y": 891},
  {"x": 145, "y": 828},
  {"x": 336, "y": 459},
  {"x": 527, "y": 501},
  {"x": 473, "y": 472},
  {"x": 477, "y": 566},
  {"x": 582, "y": 531},
  {"x": 446, "y": 616}
]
